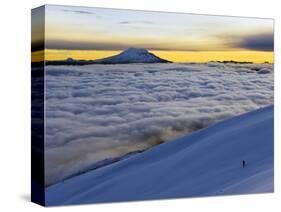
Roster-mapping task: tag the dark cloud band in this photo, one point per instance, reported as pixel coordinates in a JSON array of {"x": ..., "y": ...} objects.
[
  {"x": 68, "y": 45},
  {"x": 37, "y": 46},
  {"x": 258, "y": 42},
  {"x": 79, "y": 12},
  {"x": 261, "y": 42}
]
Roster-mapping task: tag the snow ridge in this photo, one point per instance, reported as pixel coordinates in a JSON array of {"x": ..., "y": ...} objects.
[{"x": 205, "y": 163}]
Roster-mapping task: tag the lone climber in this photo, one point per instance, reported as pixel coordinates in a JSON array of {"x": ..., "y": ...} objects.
[{"x": 243, "y": 163}]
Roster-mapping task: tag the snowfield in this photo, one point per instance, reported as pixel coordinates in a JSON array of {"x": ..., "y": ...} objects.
[
  {"x": 100, "y": 112},
  {"x": 205, "y": 163}
]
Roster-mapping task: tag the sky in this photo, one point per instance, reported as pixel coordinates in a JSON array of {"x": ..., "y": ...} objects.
[{"x": 94, "y": 33}]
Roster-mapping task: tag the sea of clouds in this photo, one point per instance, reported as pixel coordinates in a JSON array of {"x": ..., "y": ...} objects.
[{"x": 96, "y": 112}]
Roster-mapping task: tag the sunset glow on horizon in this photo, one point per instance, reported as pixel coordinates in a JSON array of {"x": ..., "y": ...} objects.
[{"x": 173, "y": 56}]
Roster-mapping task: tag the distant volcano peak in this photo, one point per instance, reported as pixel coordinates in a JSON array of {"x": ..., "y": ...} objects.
[
  {"x": 133, "y": 55},
  {"x": 130, "y": 55}
]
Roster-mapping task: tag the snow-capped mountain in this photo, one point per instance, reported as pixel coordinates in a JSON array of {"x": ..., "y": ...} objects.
[
  {"x": 207, "y": 162},
  {"x": 132, "y": 55}
]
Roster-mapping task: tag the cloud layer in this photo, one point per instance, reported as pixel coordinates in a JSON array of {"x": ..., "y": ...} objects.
[
  {"x": 259, "y": 42},
  {"x": 103, "y": 111}
]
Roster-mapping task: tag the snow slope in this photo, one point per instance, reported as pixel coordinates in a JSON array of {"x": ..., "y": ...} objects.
[
  {"x": 207, "y": 162},
  {"x": 132, "y": 55}
]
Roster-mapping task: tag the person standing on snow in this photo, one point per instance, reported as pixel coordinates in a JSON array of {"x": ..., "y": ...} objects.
[{"x": 243, "y": 163}]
